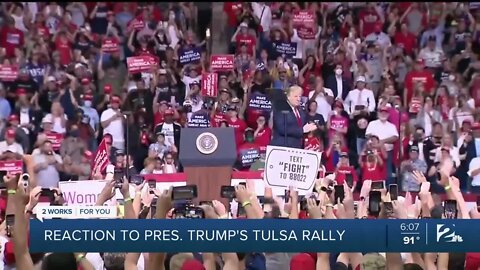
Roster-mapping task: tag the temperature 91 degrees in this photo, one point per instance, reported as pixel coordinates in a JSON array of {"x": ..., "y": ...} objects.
[{"x": 410, "y": 232}]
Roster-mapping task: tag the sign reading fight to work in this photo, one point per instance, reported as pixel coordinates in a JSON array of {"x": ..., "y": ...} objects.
[
  {"x": 142, "y": 63},
  {"x": 209, "y": 84},
  {"x": 189, "y": 56},
  {"x": 259, "y": 101},
  {"x": 222, "y": 62},
  {"x": 286, "y": 48},
  {"x": 304, "y": 22},
  {"x": 285, "y": 167},
  {"x": 12, "y": 167},
  {"x": 8, "y": 73}
]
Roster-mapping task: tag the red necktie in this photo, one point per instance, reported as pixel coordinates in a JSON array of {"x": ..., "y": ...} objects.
[{"x": 297, "y": 114}]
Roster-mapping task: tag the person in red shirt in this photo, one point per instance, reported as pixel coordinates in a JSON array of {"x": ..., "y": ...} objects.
[
  {"x": 344, "y": 168},
  {"x": 405, "y": 40},
  {"x": 242, "y": 36},
  {"x": 11, "y": 38},
  {"x": 64, "y": 48},
  {"x": 313, "y": 142},
  {"x": 368, "y": 19},
  {"x": 337, "y": 123},
  {"x": 263, "y": 134},
  {"x": 233, "y": 10},
  {"x": 238, "y": 124},
  {"x": 418, "y": 75},
  {"x": 248, "y": 152},
  {"x": 373, "y": 167}
]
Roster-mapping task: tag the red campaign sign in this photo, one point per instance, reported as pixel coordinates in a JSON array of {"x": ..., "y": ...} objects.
[
  {"x": 415, "y": 105},
  {"x": 304, "y": 22},
  {"x": 210, "y": 84},
  {"x": 142, "y": 63},
  {"x": 222, "y": 62},
  {"x": 110, "y": 45},
  {"x": 101, "y": 159},
  {"x": 12, "y": 167},
  {"x": 136, "y": 24},
  {"x": 56, "y": 139},
  {"x": 8, "y": 73}
]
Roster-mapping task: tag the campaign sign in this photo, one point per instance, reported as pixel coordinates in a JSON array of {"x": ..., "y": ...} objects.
[
  {"x": 304, "y": 22},
  {"x": 85, "y": 193},
  {"x": 56, "y": 139},
  {"x": 8, "y": 73},
  {"x": 12, "y": 167},
  {"x": 285, "y": 167},
  {"x": 189, "y": 56},
  {"x": 110, "y": 45},
  {"x": 415, "y": 105},
  {"x": 209, "y": 84},
  {"x": 249, "y": 156},
  {"x": 222, "y": 62},
  {"x": 142, "y": 63},
  {"x": 136, "y": 24},
  {"x": 260, "y": 102},
  {"x": 200, "y": 120},
  {"x": 286, "y": 48}
]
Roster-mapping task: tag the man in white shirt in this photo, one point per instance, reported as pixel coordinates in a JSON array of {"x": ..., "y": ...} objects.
[
  {"x": 190, "y": 76},
  {"x": 264, "y": 15},
  {"x": 388, "y": 135},
  {"x": 379, "y": 37},
  {"x": 323, "y": 96},
  {"x": 474, "y": 172},
  {"x": 112, "y": 121},
  {"x": 360, "y": 99},
  {"x": 10, "y": 146},
  {"x": 432, "y": 55}
]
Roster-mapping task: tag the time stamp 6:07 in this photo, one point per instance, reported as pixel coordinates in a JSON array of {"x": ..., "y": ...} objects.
[{"x": 411, "y": 233}]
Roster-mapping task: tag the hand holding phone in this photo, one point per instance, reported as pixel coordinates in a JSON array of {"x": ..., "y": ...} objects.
[
  {"x": 10, "y": 221},
  {"x": 393, "y": 191}
]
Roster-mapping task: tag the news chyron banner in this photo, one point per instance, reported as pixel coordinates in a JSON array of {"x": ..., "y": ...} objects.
[{"x": 259, "y": 235}]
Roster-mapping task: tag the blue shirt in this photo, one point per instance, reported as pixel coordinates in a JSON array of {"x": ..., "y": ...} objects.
[{"x": 5, "y": 109}]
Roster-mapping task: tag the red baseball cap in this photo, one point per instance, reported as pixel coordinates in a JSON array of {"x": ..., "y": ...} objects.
[
  {"x": 107, "y": 89},
  {"x": 88, "y": 154},
  {"x": 87, "y": 97},
  {"x": 192, "y": 264},
  {"x": 13, "y": 117},
  {"x": 302, "y": 261},
  {"x": 10, "y": 133},
  {"x": 85, "y": 81},
  {"x": 420, "y": 61},
  {"x": 21, "y": 91},
  {"x": 169, "y": 112},
  {"x": 115, "y": 99}
]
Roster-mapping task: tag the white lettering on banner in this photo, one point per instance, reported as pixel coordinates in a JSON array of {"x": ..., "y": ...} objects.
[
  {"x": 286, "y": 167},
  {"x": 76, "y": 212},
  {"x": 85, "y": 193}
]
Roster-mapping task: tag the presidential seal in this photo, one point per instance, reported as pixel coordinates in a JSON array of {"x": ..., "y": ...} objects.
[{"x": 207, "y": 143}]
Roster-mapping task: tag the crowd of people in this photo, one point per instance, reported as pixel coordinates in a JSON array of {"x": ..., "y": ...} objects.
[{"x": 386, "y": 91}]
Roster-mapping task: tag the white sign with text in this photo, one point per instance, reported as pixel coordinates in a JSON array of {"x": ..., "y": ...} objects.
[{"x": 294, "y": 167}]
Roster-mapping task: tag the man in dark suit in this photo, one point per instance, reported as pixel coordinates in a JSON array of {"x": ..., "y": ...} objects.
[
  {"x": 170, "y": 129},
  {"x": 289, "y": 120},
  {"x": 339, "y": 86}
]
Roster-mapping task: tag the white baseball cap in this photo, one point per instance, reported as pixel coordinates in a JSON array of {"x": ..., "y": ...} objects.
[{"x": 361, "y": 79}]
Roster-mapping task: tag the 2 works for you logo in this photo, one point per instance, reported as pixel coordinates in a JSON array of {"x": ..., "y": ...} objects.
[{"x": 447, "y": 234}]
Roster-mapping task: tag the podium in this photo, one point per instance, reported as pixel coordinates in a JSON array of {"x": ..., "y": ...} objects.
[{"x": 207, "y": 156}]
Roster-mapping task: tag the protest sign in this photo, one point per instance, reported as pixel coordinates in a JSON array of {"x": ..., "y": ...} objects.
[
  {"x": 304, "y": 22},
  {"x": 142, "y": 63},
  {"x": 294, "y": 167},
  {"x": 260, "y": 102},
  {"x": 222, "y": 62},
  {"x": 12, "y": 167},
  {"x": 249, "y": 156},
  {"x": 110, "y": 45},
  {"x": 209, "y": 84},
  {"x": 189, "y": 56},
  {"x": 199, "y": 120},
  {"x": 56, "y": 139},
  {"x": 286, "y": 48},
  {"x": 8, "y": 73}
]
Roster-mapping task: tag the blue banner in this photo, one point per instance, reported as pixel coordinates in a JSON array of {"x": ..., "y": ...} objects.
[
  {"x": 189, "y": 56},
  {"x": 259, "y": 101},
  {"x": 264, "y": 235},
  {"x": 249, "y": 156},
  {"x": 199, "y": 120},
  {"x": 289, "y": 49}
]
